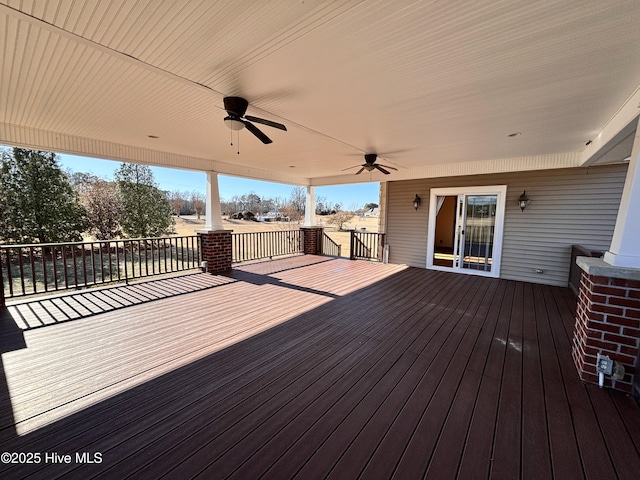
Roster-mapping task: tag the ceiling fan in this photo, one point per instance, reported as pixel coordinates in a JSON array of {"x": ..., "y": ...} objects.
[
  {"x": 237, "y": 120},
  {"x": 370, "y": 165}
]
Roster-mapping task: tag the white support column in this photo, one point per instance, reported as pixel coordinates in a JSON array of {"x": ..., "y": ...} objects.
[
  {"x": 625, "y": 246},
  {"x": 213, "y": 218},
  {"x": 310, "y": 208}
]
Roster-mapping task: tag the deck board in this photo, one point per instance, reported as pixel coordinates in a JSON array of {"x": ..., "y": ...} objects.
[
  {"x": 535, "y": 433},
  {"x": 309, "y": 367}
]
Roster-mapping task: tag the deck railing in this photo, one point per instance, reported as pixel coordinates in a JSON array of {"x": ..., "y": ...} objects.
[
  {"x": 258, "y": 245},
  {"x": 329, "y": 247},
  {"x": 367, "y": 246},
  {"x": 49, "y": 267}
]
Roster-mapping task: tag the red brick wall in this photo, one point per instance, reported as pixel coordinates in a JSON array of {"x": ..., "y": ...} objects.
[
  {"x": 312, "y": 240},
  {"x": 216, "y": 250},
  {"x": 607, "y": 322}
]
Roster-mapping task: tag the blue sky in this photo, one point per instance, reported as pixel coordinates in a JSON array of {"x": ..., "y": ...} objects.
[{"x": 353, "y": 195}]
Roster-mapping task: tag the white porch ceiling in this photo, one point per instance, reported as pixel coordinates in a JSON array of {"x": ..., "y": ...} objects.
[{"x": 433, "y": 87}]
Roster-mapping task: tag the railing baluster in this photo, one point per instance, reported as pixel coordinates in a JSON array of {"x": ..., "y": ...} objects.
[
  {"x": 93, "y": 264},
  {"x": 189, "y": 262},
  {"x": 133, "y": 261},
  {"x": 118, "y": 260},
  {"x": 32, "y": 265},
  {"x": 140, "y": 258},
  {"x": 153, "y": 259},
  {"x": 44, "y": 268},
  {"x": 75, "y": 265},
  {"x": 164, "y": 253},
  {"x": 2, "y": 295},
  {"x": 146, "y": 257},
  {"x": 21, "y": 271},
  {"x": 173, "y": 252},
  {"x": 124, "y": 252},
  {"x": 63, "y": 260},
  {"x": 9, "y": 272},
  {"x": 84, "y": 264}
]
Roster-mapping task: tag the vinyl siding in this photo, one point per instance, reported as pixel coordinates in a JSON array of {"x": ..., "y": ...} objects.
[{"x": 567, "y": 207}]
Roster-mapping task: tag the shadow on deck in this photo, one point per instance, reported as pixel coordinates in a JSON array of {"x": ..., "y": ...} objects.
[{"x": 311, "y": 367}]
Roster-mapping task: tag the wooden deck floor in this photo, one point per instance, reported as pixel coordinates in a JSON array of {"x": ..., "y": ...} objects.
[{"x": 308, "y": 367}]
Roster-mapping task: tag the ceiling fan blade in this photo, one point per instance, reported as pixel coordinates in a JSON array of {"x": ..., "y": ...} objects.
[
  {"x": 386, "y": 172},
  {"x": 387, "y": 166},
  {"x": 349, "y": 168},
  {"x": 359, "y": 171},
  {"x": 257, "y": 132},
  {"x": 266, "y": 122}
]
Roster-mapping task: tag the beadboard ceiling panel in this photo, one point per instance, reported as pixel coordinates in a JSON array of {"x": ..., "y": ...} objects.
[{"x": 432, "y": 87}]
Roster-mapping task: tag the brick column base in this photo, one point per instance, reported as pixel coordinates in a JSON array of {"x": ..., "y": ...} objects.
[
  {"x": 607, "y": 321},
  {"x": 312, "y": 240},
  {"x": 215, "y": 249}
]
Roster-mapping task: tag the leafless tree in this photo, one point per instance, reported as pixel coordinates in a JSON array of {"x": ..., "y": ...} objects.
[
  {"x": 339, "y": 219},
  {"x": 104, "y": 207},
  {"x": 176, "y": 199},
  {"x": 198, "y": 202},
  {"x": 298, "y": 199}
]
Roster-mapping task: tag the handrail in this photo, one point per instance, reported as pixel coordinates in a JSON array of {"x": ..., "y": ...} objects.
[{"x": 28, "y": 269}]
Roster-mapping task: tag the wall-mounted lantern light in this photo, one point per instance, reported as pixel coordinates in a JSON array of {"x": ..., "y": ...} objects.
[
  {"x": 416, "y": 202},
  {"x": 523, "y": 200}
]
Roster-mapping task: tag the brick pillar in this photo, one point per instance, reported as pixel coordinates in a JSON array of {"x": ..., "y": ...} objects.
[
  {"x": 312, "y": 240},
  {"x": 215, "y": 248},
  {"x": 607, "y": 320}
]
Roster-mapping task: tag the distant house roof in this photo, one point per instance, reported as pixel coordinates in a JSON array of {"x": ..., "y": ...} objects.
[{"x": 373, "y": 212}]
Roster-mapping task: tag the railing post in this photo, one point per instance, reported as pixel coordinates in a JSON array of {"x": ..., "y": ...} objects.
[
  {"x": 380, "y": 251},
  {"x": 606, "y": 322},
  {"x": 352, "y": 245},
  {"x": 216, "y": 248},
  {"x": 312, "y": 240}
]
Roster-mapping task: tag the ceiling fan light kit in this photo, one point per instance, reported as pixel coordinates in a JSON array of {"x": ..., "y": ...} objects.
[{"x": 233, "y": 124}]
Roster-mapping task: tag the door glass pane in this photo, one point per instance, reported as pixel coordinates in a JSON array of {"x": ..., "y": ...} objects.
[
  {"x": 444, "y": 238},
  {"x": 478, "y": 236}
]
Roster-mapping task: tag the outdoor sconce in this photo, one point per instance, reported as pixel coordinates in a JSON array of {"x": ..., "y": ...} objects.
[
  {"x": 523, "y": 200},
  {"x": 416, "y": 202}
]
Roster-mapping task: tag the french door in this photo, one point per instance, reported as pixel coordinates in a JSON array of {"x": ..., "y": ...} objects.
[{"x": 465, "y": 229}]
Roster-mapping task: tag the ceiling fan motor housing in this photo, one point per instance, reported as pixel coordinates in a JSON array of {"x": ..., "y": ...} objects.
[{"x": 235, "y": 106}]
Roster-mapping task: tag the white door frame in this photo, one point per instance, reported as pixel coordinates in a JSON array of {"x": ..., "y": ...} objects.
[{"x": 501, "y": 192}]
